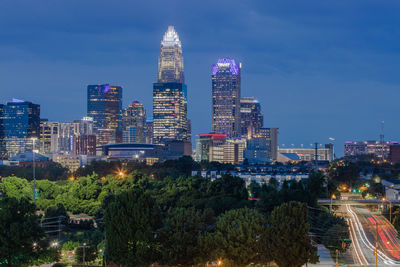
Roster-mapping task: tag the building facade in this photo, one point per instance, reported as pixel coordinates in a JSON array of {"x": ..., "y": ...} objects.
[
  {"x": 105, "y": 106},
  {"x": 251, "y": 118},
  {"x": 209, "y": 147},
  {"x": 225, "y": 76},
  {"x": 170, "y": 93},
  {"x": 20, "y": 127},
  {"x": 308, "y": 154},
  {"x": 271, "y": 134},
  {"x": 85, "y": 144},
  {"x": 69, "y": 131},
  {"x": 376, "y": 149},
  {"x": 258, "y": 150},
  {"x": 134, "y": 123},
  {"x": 49, "y": 136}
]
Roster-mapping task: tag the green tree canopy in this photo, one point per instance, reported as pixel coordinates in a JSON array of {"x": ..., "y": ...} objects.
[
  {"x": 237, "y": 237},
  {"x": 290, "y": 244},
  {"x": 131, "y": 220}
]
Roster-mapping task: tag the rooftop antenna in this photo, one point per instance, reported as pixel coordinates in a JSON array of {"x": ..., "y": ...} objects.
[{"x": 382, "y": 138}]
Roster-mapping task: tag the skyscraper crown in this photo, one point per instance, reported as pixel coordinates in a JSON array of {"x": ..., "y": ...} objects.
[
  {"x": 171, "y": 37},
  {"x": 224, "y": 63}
]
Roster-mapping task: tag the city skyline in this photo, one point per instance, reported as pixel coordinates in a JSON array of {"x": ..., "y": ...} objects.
[{"x": 307, "y": 98}]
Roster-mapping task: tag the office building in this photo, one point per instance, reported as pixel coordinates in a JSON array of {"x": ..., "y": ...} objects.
[
  {"x": 394, "y": 153},
  {"x": 85, "y": 144},
  {"x": 234, "y": 150},
  {"x": 105, "y": 106},
  {"x": 375, "y": 149},
  {"x": 225, "y": 77},
  {"x": 209, "y": 147},
  {"x": 308, "y": 154},
  {"x": 3, "y": 151},
  {"x": 251, "y": 118},
  {"x": 258, "y": 150},
  {"x": 20, "y": 127},
  {"x": 68, "y": 131},
  {"x": 149, "y": 131},
  {"x": 134, "y": 123},
  {"x": 169, "y": 93},
  {"x": 48, "y": 136},
  {"x": 271, "y": 134}
]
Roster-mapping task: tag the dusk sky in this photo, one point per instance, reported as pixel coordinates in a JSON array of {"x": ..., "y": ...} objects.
[{"x": 319, "y": 68}]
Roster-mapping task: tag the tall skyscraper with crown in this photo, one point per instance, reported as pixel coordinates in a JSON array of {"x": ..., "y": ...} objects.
[{"x": 170, "y": 93}]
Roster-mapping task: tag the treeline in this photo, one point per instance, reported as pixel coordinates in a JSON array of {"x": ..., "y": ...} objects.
[{"x": 187, "y": 220}]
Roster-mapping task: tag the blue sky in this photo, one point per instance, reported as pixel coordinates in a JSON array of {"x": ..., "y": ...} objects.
[{"x": 319, "y": 68}]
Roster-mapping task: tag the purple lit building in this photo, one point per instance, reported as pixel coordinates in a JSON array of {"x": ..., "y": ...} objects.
[{"x": 225, "y": 77}]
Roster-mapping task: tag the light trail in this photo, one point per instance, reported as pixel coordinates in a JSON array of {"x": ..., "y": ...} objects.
[
  {"x": 363, "y": 237},
  {"x": 357, "y": 248}
]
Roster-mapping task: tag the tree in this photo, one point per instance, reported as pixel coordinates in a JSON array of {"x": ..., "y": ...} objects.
[
  {"x": 237, "y": 237},
  {"x": 180, "y": 236},
  {"x": 344, "y": 171},
  {"x": 316, "y": 183},
  {"x": 21, "y": 239},
  {"x": 131, "y": 220},
  {"x": 335, "y": 237},
  {"x": 288, "y": 233}
]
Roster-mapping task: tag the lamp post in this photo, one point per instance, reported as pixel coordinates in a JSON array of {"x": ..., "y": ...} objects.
[{"x": 332, "y": 197}]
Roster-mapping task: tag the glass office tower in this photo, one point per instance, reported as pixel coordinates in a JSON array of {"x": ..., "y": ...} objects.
[
  {"x": 105, "y": 106},
  {"x": 225, "y": 77},
  {"x": 169, "y": 112},
  {"x": 170, "y": 121},
  {"x": 251, "y": 118},
  {"x": 21, "y": 126}
]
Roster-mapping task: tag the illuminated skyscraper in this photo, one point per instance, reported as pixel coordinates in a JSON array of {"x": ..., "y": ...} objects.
[
  {"x": 169, "y": 93},
  {"x": 251, "y": 118},
  {"x": 225, "y": 77},
  {"x": 134, "y": 123},
  {"x": 21, "y": 124},
  {"x": 105, "y": 107},
  {"x": 170, "y": 61}
]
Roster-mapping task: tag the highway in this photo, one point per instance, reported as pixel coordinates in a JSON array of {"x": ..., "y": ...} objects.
[{"x": 363, "y": 231}]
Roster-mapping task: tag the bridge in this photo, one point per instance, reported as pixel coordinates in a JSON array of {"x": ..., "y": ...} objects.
[{"x": 337, "y": 202}]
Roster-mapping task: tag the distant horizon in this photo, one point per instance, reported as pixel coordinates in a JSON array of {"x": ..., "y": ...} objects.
[{"x": 319, "y": 69}]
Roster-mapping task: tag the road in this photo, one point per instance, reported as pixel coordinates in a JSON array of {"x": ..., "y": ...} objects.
[{"x": 364, "y": 227}]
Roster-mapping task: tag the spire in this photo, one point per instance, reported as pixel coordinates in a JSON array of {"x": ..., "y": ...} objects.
[{"x": 171, "y": 37}]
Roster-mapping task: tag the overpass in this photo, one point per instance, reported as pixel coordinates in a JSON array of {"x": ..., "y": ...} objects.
[{"x": 358, "y": 202}]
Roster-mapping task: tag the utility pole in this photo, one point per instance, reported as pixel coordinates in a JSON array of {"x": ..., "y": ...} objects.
[
  {"x": 376, "y": 244},
  {"x": 316, "y": 156},
  {"x": 34, "y": 169}
]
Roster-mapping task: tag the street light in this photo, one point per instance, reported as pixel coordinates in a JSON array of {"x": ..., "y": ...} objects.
[
  {"x": 34, "y": 169},
  {"x": 332, "y": 197}
]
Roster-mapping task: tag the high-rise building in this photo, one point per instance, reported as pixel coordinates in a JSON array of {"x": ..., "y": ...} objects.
[
  {"x": 21, "y": 124},
  {"x": 85, "y": 144},
  {"x": 209, "y": 147},
  {"x": 170, "y": 121},
  {"x": 105, "y": 106},
  {"x": 258, "y": 150},
  {"x": 170, "y": 61},
  {"x": 48, "y": 136},
  {"x": 70, "y": 130},
  {"x": 271, "y": 134},
  {"x": 234, "y": 150},
  {"x": 3, "y": 151},
  {"x": 225, "y": 77},
  {"x": 251, "y": 118},
  {"x": 149, "y": 131},
  {"x": 134, "y": 123}
]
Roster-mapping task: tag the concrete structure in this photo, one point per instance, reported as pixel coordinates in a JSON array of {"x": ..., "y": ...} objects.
[
  {"x": 69, "y": 131},
  {"x": 85, "y": 144},
  {"x": 271, "y": 134},
  {"x": 308, "y": 154},
  {"x": 71, "y": 162},
  {"x": 134, "y": 152},
  {"x": 48, "y": 136},
  {"x": 226, "y": 82},
  {"x": 209, "y": 147}
]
